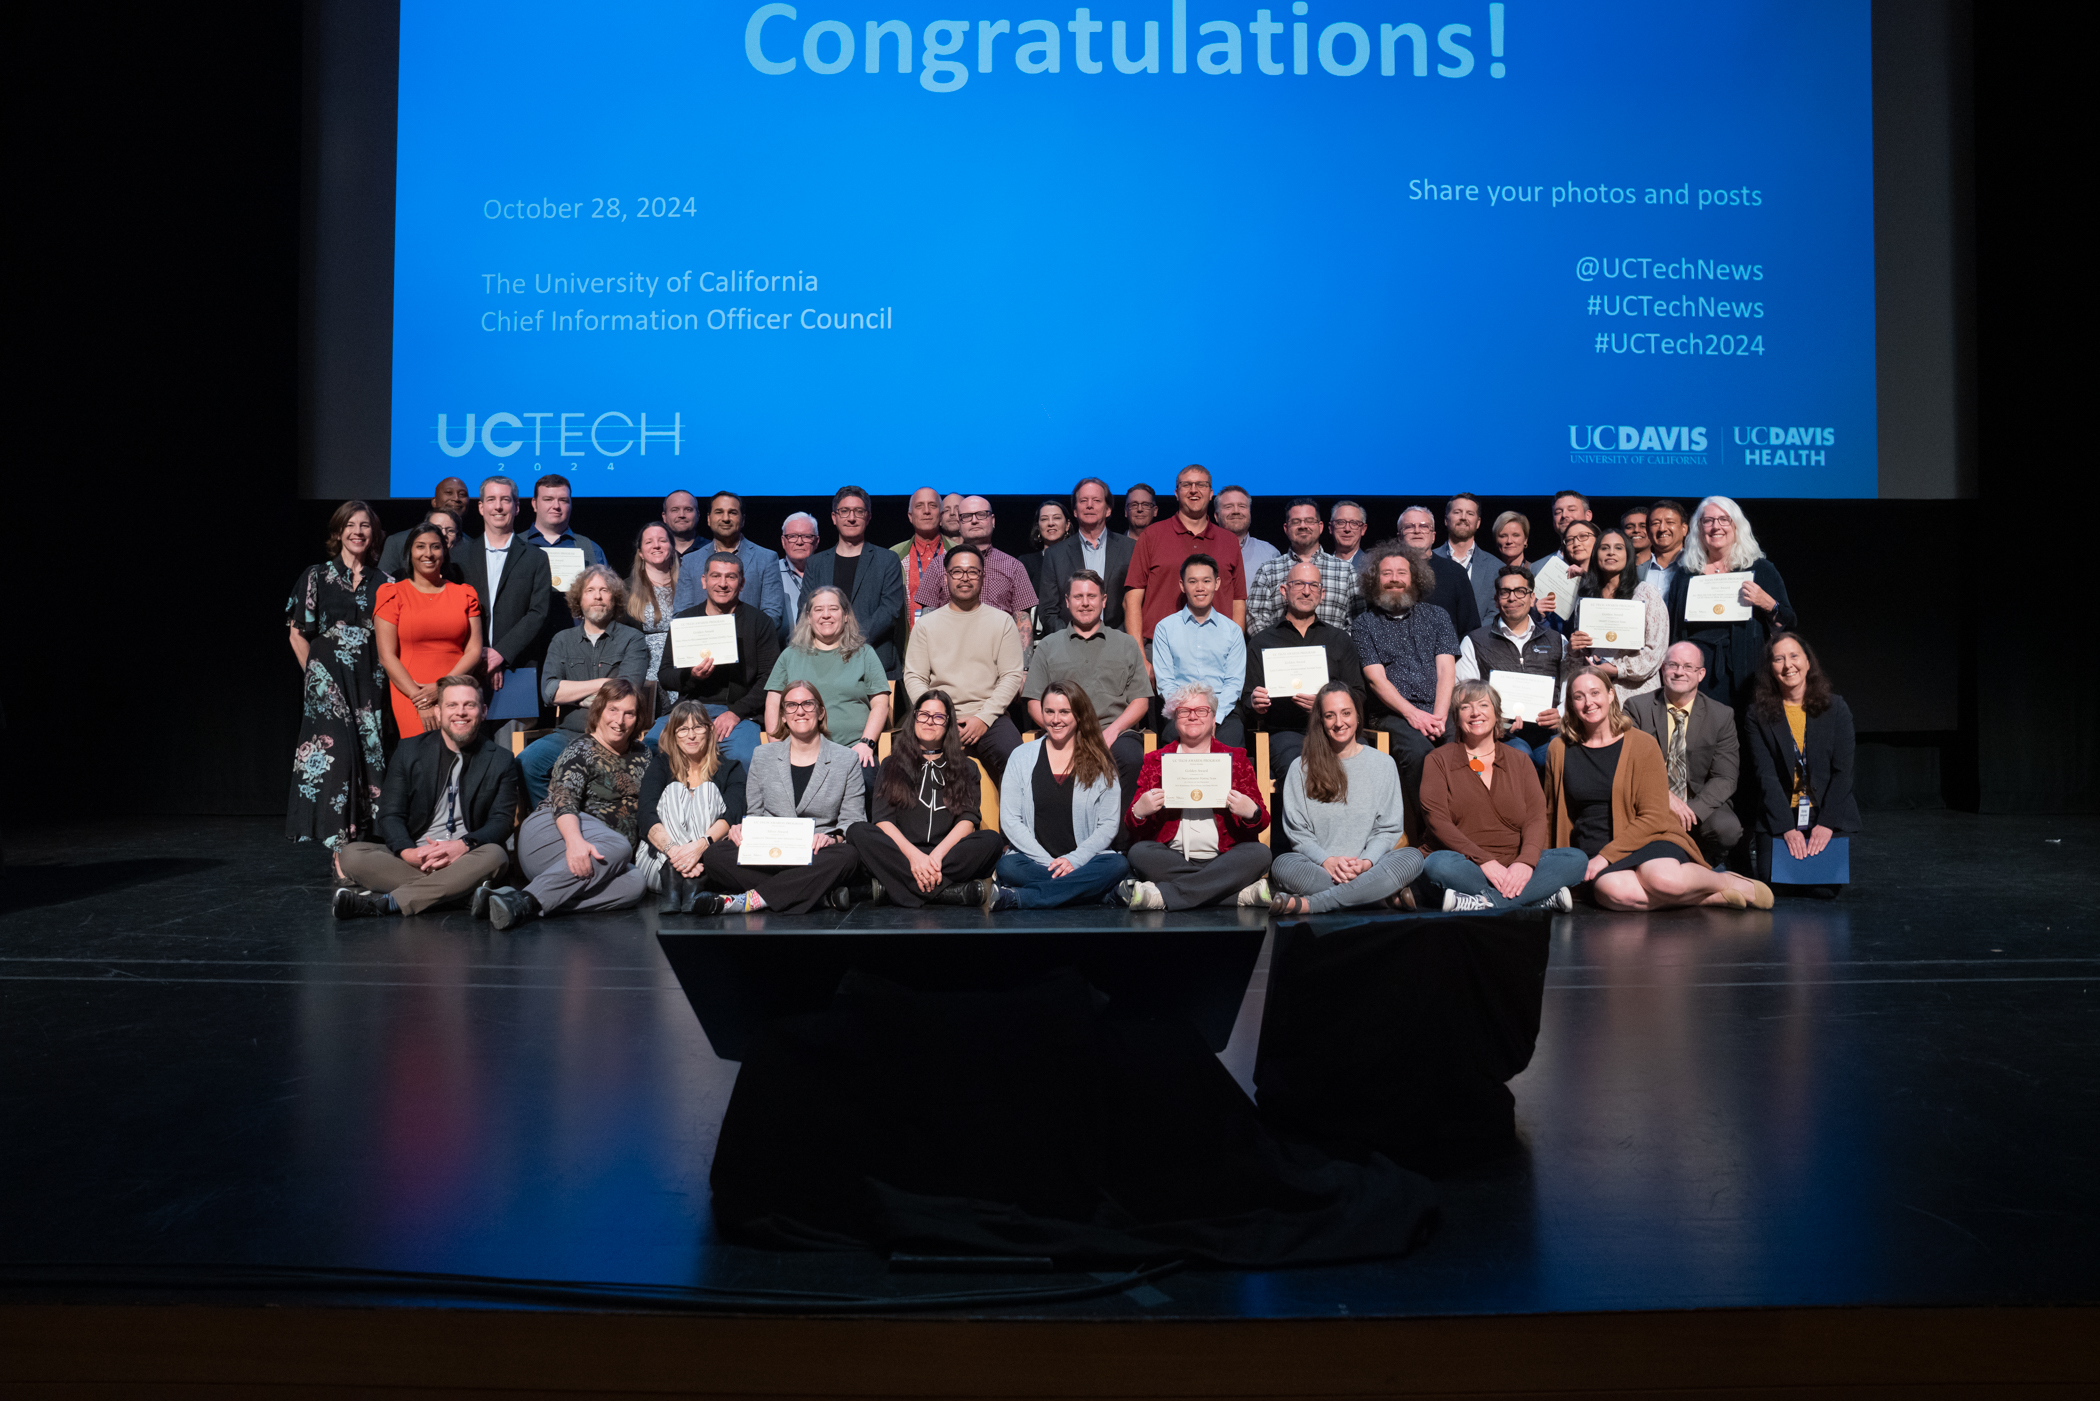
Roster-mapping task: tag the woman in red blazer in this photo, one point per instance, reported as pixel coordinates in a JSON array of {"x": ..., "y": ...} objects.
[{"x": 1186, "y": 857}]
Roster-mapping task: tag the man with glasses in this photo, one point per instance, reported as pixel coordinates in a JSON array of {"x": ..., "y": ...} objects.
[
  {"x": 1518, "y": 641},
  {"x": 1302, "y": 527},
  {"x": 1348, "y": 524},
  {"x": 733, "y": 692},
  {"x": 1088, "y": 545},
  {"x": 1700, "y": 750},
  {"x": 1153, "y": 585},
  {"x": 973, "y": 653},
  {"x": 798, "y": 541},
  {"x": 1284, "y": 717},
  {"x": 1140, "y": 510},
  {"x": 1006, "y": 587},
  {"x": 872, "y": 580},
  {"x": 1452, "y": 587}
]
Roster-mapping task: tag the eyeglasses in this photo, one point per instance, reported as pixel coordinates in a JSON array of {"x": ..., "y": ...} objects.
[
  {"x": 976, "y": 515},
  {"x": 800, "y": 706},
  {"x": 966, "y": 573},
  {"x": 1198, "y": 710},
  {"x": 1682, "y": 668},
  {"x": 849, "y": 513},
  {"x": 1511, "y": 593},
  {"x": 931, "y": 717},
  {"x": 1303, "y": 583},
  {"x": 801, "y": 539}
]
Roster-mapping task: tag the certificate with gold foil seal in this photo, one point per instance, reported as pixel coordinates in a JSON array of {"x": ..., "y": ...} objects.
[
  {"x": 778, "y": 841},
  {"x": 1716, "y": 598},
  {"x": 1614, "y": 624},
  {"x": 1195, "y": 780}
]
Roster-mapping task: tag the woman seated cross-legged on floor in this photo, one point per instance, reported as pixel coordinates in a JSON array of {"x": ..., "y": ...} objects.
[
  {"x": 1342, "y": 806},
  {"x": 803, "y": 774},
  {"x": 1608, "y": 792},
  {"x": 1487, "y": 815},
  {"x": 577, "y": 848},
  {"x": 1059, "y": 807},
  {"x": 925, "y": 845},
  {"x": 691, "y": 795},
  {"x": 1187, "y": 857}
]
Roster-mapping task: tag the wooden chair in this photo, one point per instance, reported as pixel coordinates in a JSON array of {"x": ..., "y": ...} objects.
[{"x": 987, "y": 799}]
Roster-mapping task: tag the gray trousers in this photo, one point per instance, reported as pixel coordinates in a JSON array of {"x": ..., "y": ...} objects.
[
  {"x": 1301, "y": 875},
  {"x": 375, "y": 868},
  {"x": 1186, "y": 884},
  {"x": 613, "y": 884}
]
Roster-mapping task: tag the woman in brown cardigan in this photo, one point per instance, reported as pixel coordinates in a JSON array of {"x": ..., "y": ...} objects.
[
  {"x": 1608, "y": 792},
  {"x": 1487, "y": 817}
]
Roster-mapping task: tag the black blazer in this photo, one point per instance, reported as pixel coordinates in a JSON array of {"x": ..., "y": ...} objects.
[
  {"x": 1454, "y": 594},
  {"x": 1061, "y": 561},
  {"x": 1734, "y": 651},
  {"x": 1830, "y": 770},
  {"x": 416, "y": 779},
  {"x": 515, "y": 623},
  {"x": 877, "y": 597}
]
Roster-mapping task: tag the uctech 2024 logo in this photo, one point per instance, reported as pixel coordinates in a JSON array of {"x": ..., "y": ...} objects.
[
  {"x": 1778, "y": 445},
  {"x": 1675, "y": 444}
]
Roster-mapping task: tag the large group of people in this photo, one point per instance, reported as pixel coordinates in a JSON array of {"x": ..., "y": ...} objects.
[{"x": 963, "y": 726}]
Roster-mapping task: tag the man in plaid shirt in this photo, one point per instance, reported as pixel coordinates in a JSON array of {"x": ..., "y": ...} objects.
[{"x": 1301, "y": 526}]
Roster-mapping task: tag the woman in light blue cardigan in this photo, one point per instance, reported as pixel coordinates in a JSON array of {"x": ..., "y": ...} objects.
[{"x": 1059, "y": 804}]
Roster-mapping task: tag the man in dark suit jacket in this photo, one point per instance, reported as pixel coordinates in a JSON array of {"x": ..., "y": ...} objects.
[
  {"x": 514, "y": 620},
  {"x": 448, "y": 803},
  {"x": 1454, "y": 591},
  {"x": 1712, "y": 753},
  {"x": 1083, "y": 548},
  {"x": 875, "y": 590}
]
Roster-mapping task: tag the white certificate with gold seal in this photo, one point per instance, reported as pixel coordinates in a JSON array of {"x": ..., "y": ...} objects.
[
  {"x": 778, "y": 841},
  {"x": 564, "y": 564},
  {"x": 1195, "y": 780},
  {"x": 1293, "y": 671},
  {"x": 695, "y": 639},
  {"x": 1614, "y": 624},
  {"x": 1716, "y": 598}
]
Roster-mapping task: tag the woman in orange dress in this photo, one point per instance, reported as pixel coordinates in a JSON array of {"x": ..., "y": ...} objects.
[{"x": 428, "y": 629}]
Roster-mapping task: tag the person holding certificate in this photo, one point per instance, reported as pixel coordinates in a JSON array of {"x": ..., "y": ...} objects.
[
  {"x": 577, "y": 848},
  {"x": 1731, "y": 628},
  {"x": 1060, "y": 809},
  {"x": 1485, "y": 816},
  {"x": 1556, "y": 576},
  {"x": 568, "y": 554},
  {"x": 737, "y": 648},
  {"x": 805, "y": 791},
  {"x": 1293, "y": 659},
  {"x": 1524, "y": 660},
  {"x": 426, "y": 629},
  {"x": 1342, "y": 806},
  {"x": 1197, "y": 817},
  {"x": 691, "y": 796},
  {"x": 828, "y": 650},
  {"x": 925, "y": 843},
  {"x": 1608, "y": 792},
  {"x": 1622, "y": 626},
  {"x": 1801, "y": 744},
  {"x": 1197, "y": 644}
]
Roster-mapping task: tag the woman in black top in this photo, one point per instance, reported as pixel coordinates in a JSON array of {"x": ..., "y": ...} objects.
[
  {"x": 924, "y": 845},
  {"x": 1052, "y": 524},
  {"x": 1722, "y": 543},
  {"x": 1801, "y": 745}
]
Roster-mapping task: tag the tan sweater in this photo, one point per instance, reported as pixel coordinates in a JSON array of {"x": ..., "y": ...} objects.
[{"x": 976, "y": 657}]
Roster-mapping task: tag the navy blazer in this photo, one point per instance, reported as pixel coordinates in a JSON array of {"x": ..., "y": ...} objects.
[
  {"x": 1830, "y": 770},
  {"x": 1061, "y": 561},
  {"x": 515, "y": 621},
  {"x": 877, "y": 598}
]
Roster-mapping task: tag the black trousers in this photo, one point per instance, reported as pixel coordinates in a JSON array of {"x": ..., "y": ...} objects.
[
  {"x": 972, "y": 858},
  {"x": 1411, "y": 749},
  {"x": 1000, "y": 739},
  {"x": 792, "y": 890}
]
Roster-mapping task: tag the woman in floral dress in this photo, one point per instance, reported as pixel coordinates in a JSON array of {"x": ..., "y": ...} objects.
[{"x": 341, "y": 756}]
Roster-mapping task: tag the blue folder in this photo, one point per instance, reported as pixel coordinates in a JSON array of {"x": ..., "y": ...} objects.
[
  {"x": 1831, "y": 866},
  {"x": 520, "y": 697}
]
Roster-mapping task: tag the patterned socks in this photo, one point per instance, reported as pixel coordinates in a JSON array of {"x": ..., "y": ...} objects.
[{"x": 750, "y": 902}]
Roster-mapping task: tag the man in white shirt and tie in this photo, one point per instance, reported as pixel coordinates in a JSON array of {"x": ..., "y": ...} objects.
[{"x": 1700, "y": 750}]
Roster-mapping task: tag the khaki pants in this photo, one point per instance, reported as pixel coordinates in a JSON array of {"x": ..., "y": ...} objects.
[{"x": 375, "y": 868}]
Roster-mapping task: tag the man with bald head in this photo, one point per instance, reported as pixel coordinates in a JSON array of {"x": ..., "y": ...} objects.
[
  {"x": 682, "y": 519},
  {"x": 1700, "y": 752},
  {"x": 450, "y": 496},
  {"x": 1284, "y": 716},
  {"x": 1006, "y": 583}
]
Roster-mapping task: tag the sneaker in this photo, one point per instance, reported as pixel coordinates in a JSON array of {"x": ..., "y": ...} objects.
[
  {"x": 478, "y": 904},
  {"x": 1256, "y": 894},
  {"x": 1562, "y": 899},
  {"x": 510, "y": 906},
  {"x": 707, "y": 902},
  {"x": 1460, "y": 903},
  {"x": 998, "y": 897},
  {"x": 1139, "y": 895},
  {"x": 352, "y": 903}
]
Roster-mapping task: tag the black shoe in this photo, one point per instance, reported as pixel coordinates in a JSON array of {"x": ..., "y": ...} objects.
[
  {"x": 352, "y": 903},
  {"x": 478, "y": 903},
  {"x": 969, "y": 892},
  {"x": 876, "y": 894},
  {"x": 706, "y": 902},
  {"x": 509, "y": 906},
  {"x": 678, "y": 895},
  {"x": 839, "y": 898}
]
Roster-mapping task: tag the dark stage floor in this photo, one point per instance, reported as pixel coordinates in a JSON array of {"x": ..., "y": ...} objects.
[{"x": 1891, "y": 1099}]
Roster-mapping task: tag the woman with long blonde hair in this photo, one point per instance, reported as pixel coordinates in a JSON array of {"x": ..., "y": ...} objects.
[{"x": 685, "y": 809}]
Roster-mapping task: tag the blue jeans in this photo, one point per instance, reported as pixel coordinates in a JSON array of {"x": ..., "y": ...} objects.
[
  {"x": 1035, "y": 888},
  {"x": 1558, "y": 867},
  {"x": 537, "y": 762},
  {"x": 743, "y": 740},
  {"x": 1530, "y": 739}
]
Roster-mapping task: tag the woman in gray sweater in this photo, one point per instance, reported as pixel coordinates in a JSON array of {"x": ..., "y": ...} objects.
[{"x": 1342, "y": 806}]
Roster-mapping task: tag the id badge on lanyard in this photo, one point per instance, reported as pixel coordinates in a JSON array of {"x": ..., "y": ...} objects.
[{"x": 1801, "y": 809}]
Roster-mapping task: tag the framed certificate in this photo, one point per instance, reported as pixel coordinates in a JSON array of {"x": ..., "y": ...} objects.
[
  {"x": 1195, "y": 780},
  {"x": 1716, "y": 598},
  {"x": 565, "y": 566},
  {"x": 1293, "y": 671},
  {"x": 1614, "y": 624},
  {"x": 1551, "y": 576},
  {"x": 1524, "y": 694},
  {"x": 778, "y": 841},
  {"x": 694, "y": 640}
]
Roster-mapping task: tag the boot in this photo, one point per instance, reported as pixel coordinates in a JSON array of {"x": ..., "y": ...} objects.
[
  {"x": 510, "y": 906},
  {"x": 967, "y": 892},
  {"x": 677, "y": 896}
]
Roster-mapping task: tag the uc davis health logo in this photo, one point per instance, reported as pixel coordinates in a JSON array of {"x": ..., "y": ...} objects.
[
  {"x": 1777, "y": 446},
  {"x": 1676, "y": 445}
]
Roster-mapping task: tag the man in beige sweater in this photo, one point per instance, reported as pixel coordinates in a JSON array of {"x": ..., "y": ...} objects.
[{"x": 973, "y": 653}]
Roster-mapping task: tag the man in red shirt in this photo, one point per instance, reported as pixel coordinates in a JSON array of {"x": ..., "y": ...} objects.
[{"x": 1153, "y": 587}]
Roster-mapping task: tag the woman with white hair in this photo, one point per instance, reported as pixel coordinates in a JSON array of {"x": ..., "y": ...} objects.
[
  {"x": 1723, "y": 543},
  {"x": 1186, "y": 856}
]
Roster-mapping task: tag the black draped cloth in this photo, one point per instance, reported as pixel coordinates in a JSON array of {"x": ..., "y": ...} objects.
[{"x": 1031, "y": 1122}]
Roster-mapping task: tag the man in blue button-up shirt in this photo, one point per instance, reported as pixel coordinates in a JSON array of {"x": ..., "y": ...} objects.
[{"x": 1199, "y": 644}]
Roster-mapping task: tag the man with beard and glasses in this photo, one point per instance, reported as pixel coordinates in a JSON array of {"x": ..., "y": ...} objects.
[
  {"x": 1266, "y": 596},
  {"x": 580, "y": 660},
  {"x": 1410, "y": 654}
]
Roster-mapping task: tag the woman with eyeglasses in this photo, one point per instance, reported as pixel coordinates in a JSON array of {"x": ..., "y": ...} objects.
[
  {"x": 1634, "y": 662},
  {"x": 1060, "y": 807},
  {"x": 1186, "y": 857},
  {"x": 925, "y": 843},
  {"x": 1578, "y": 540},
  {"x": 801, "y": 774},
  {"x": 827, "y": 650},
  {"x": 691, "y": 795},
  {"x": 427, "y": 628},
  {"x": 1486, "y": 815},
  {"x": 1342, "y": 806},
  {"x": 1723, "y": 543}
]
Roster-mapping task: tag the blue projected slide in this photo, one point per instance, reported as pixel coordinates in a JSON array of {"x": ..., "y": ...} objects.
[{"x": 1342, "y": 245}]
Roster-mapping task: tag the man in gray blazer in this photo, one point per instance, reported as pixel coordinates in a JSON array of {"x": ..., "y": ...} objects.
[
  {"x": 1090, "y": 544},
  {"x": 1699, "y": 745},
  {"x": 871, "y": 578}
]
